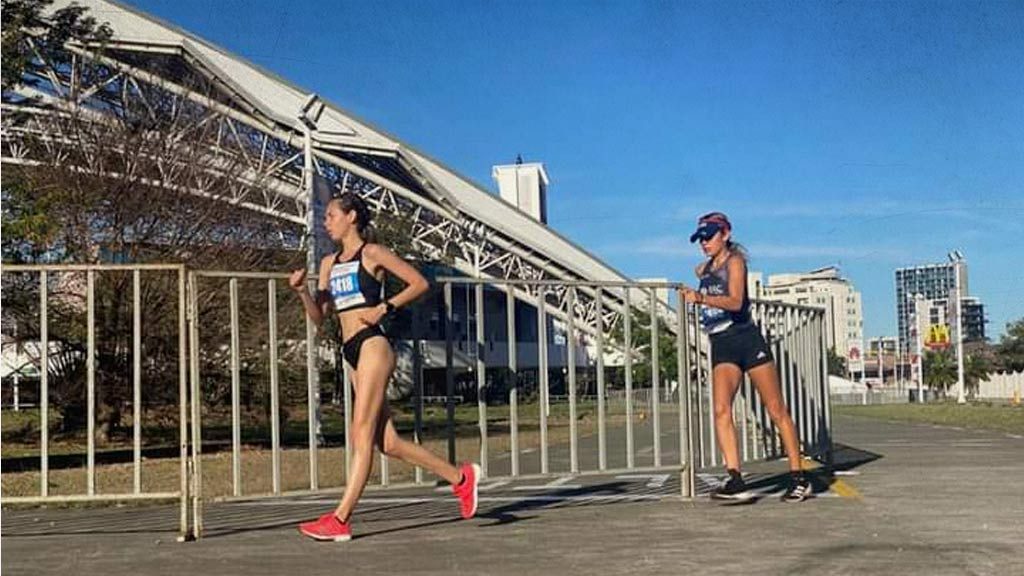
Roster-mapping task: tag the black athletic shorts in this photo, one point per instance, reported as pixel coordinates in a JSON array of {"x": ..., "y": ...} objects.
[
  {"x": 741, "y": 345},
  {"x": 351, "y": 348}
]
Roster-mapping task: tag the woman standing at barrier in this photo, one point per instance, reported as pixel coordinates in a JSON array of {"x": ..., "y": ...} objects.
[
  {"x": 351, "y": 281},
  {"x": 737, "y": 347}
]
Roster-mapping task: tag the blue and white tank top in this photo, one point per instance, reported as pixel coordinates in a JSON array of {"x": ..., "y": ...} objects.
[{"x": 716, "y": 283}]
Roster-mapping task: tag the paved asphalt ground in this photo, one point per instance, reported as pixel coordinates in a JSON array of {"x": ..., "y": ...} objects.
[{"x": 907, "y": 499}]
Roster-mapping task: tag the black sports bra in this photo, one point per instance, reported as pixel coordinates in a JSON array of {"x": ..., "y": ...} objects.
[{"x": 351, "y": 285}]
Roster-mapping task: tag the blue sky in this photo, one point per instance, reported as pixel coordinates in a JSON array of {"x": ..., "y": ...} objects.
[{"x": 870, "y": 135}]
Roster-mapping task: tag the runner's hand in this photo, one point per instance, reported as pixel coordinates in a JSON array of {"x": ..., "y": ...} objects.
[
  {"x": 297, "y": 281},
  {"x": 373, "y": 316}
]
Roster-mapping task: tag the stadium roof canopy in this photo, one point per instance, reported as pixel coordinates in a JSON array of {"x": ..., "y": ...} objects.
[{"x": 274, "y": 123}]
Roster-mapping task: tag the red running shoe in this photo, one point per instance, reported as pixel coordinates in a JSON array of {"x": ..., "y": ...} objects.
[
  {"x": 467, "y": 490},
  {"x": 327, "y": 528}
]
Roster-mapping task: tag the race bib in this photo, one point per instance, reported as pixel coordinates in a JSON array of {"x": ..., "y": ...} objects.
[{"x": 344, "y": 285}]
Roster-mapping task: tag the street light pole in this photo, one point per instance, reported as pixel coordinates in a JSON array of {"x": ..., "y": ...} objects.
[
  {"x": 917, "y": 341},
  {"x": 957, "y": 259},
  {"x": 960, "y": 399},
  {"x": 308, "y": 116},
  {"x": 881, "y": 363}
]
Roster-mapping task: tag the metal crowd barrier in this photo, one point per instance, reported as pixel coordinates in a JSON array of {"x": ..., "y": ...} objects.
[
  {"x": 48, "y": 275},
  {"x": 584, "y": 316}
]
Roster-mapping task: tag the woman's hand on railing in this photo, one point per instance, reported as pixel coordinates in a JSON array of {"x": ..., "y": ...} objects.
[
  {"x": 690, "y": 295},
  {"x": 297, "y": 281}
]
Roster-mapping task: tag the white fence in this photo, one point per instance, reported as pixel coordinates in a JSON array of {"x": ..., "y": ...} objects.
[{"x": 1002, "y": 385}]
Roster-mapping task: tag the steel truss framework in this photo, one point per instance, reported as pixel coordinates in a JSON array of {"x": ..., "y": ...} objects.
[{"x": 266, "y": 157}]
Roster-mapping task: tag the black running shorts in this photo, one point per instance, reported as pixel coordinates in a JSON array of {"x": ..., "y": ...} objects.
[{"x": 741, "y": 345}]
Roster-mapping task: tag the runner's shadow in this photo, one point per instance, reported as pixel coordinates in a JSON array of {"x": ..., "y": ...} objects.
[
  {"x": 507, "y": 514},
  {"x": 418, "y": 526}
]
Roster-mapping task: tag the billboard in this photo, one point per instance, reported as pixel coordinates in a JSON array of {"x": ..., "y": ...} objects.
[
  {"x": 937, "y": 337},
  {"x": 854, "y": 357}
]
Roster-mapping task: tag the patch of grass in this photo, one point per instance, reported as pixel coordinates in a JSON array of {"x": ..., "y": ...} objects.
[
  {"x": 163, "y": 474},
  {"x": 1001, "y": 417},
  {"x": 21, "y": 436}
]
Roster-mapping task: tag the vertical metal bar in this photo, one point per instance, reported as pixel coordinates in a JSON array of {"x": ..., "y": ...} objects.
[
  {"x": 417, "y": 382},
  {"x": 826, "y": 403},
  {"x": 385, "y": 471},
  {"x": 810, "y": 381},
  {"x": 655, "y": 378},
  {"x": 791, "y": 370},
  {"x": 751, "y": 401},
  {"x": 698, "y": 342},
  {"x": 385, "y": 467},
  {"x": 542, "y": 369},
  {"x": 236, "y": 410},
  {"x": 756, "y": 430},
  {"x": 90, "y": 382},
  {"x": 312, "y": 342},
  {"x": 802, "y": 379},
  {"x": 772, "y": 332},
  {"x": 760, "y": 429},
  {"x": 136, "y": 381},
  {"x": 815, "y": 351},
  {"x": 819, "y": 376},
  {"x": 788, "y": 387},
  {"x": 683, "y": 370},
  {"x": 346, "y": 376},
  {"x": 196, "y": 400},
  {"x": 801, "y": 375},
  {"x": 574, "y": 458},
  {"x": 749, "y": 420},
  {"x": 449, "y": 363},
  {"x": 814, "y": 381},
  {"x": 513, "y": 387},
  {"x": 627, "y": 348},
  {"x": 744, "y": 407},
  {"x": 778, "y": 332},
  {"x": 602, "y": 438},
  {"x": 275, "y": 401},
  {"x": 805, "y": 367},
  {"x": 712, "y": 417},
  {"x": 313, "y": 402},
  {"x": 481, "y": 378},
  {"x": 182, "y": 401},
  {"x": 44, "y": 389}
]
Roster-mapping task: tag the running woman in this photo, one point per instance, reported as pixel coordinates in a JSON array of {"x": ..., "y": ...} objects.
[{"x": 351, "y": 283}]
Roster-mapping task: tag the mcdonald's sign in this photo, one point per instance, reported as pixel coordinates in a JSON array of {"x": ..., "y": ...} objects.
[{"x": 937, "y": 337}]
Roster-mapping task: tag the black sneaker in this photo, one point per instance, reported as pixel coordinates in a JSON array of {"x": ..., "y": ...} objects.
[
  {"x": 799, "y": 490},
  {"x": 734, "y": 489}
]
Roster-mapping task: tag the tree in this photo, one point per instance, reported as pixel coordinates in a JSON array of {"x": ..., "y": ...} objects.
[
  {"x": 34, "y": 36},
  {"x": 939, "y": 369},
  {"x": 1009, "y": 353},
  {"x": 640, "y": 345},
  {"x": 836, "y": 363},
  {"x": 976, "y": 369},
  {"x": 128, "y": 170}
]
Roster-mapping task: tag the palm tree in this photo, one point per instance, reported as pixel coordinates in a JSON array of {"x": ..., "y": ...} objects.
[
  {"x": 939, "y": 370},
  {"x": 976, "y": 369}
]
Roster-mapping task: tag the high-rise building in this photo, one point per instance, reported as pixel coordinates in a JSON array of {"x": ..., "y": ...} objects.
[
  {"x": 974, "y": 320},
  {"x": 824, "y": 288},
  {"x": 936, "y": 283}
]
